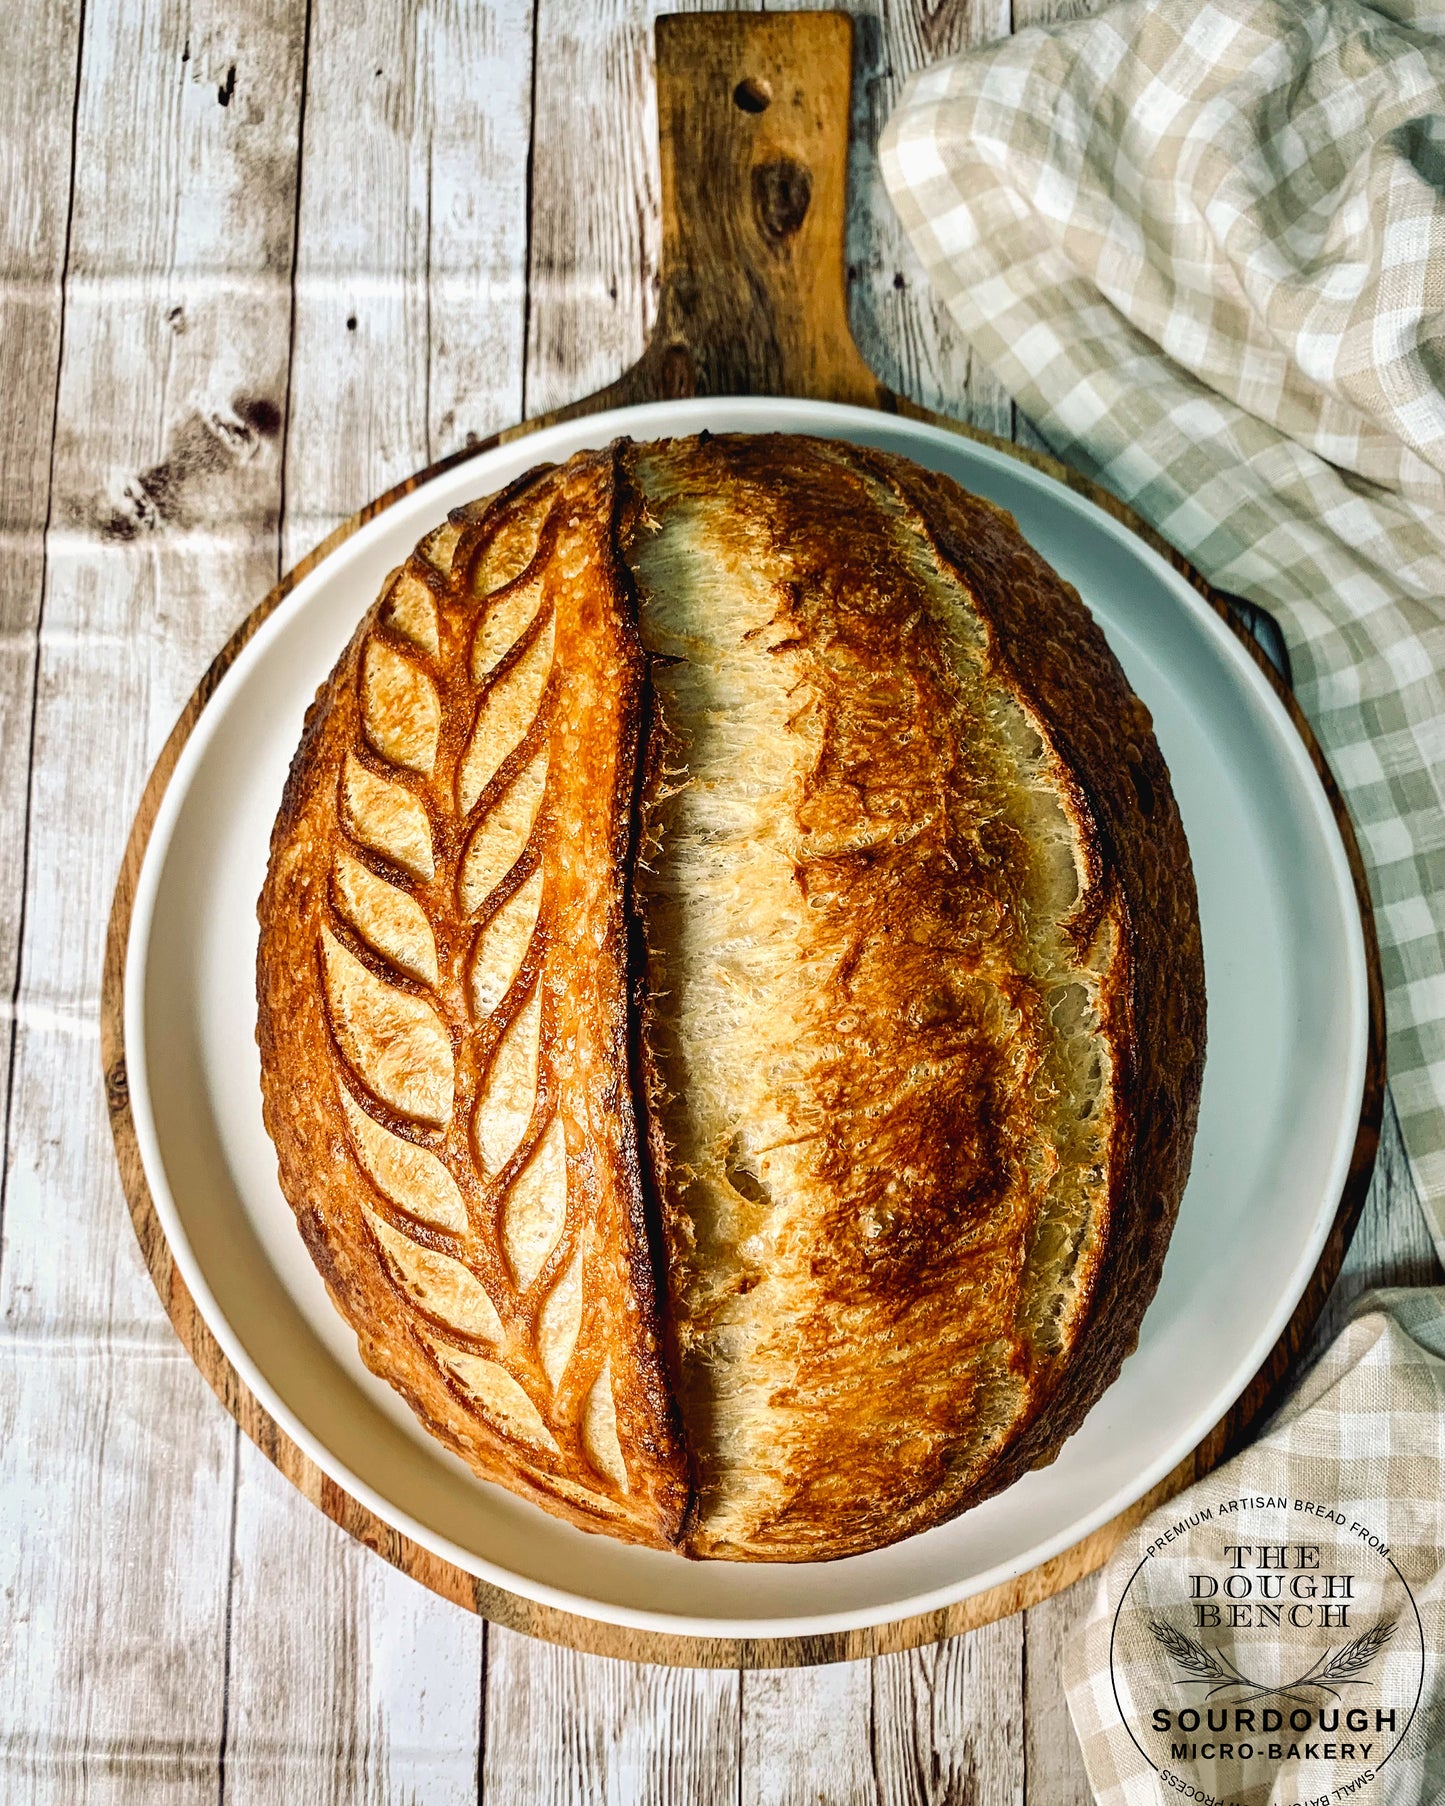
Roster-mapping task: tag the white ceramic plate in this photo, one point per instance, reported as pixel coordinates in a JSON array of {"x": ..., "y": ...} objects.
[{"x": 1285, "y": 965}]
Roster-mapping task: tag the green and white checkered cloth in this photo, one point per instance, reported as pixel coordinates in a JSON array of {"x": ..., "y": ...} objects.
[
  {"x": 1203, "y": 245},
  {"x": 1355, "y": 1462}
]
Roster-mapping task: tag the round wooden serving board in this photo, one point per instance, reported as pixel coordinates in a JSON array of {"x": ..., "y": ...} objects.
[{"x": 753, "y": 118}]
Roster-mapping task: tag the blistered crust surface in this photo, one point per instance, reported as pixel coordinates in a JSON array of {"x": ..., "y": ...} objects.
[
  {"x": 1050, "y": 649},
  {"x": 923, "y": 1022},
  {"x": 731, "y": 1002},
  {"x": 442, "y": 981}
]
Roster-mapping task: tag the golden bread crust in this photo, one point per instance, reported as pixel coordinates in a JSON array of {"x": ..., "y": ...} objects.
[
  {"x": 912, "y": 1225},
  {"x": 505, "y": 1287},
  {"x": 799, "y": 814},
  {"x": 1054, "y": 654}
]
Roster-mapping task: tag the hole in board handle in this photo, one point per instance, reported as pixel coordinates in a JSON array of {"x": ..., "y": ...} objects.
[{"x": 752, "y": 96}]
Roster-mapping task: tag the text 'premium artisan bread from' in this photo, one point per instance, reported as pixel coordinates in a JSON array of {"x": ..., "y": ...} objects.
[{"x": 731, "y": 1001}]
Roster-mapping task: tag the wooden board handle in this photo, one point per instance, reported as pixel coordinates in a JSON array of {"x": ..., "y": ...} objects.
[{"x": 753, "y": 141}]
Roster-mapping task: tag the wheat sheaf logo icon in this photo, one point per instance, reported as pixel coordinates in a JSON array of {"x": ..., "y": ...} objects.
[{"x": 1332, "y": 1670}]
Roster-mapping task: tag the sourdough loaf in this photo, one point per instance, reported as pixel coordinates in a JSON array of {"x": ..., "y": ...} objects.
[{"x": 731, "y": 1001}]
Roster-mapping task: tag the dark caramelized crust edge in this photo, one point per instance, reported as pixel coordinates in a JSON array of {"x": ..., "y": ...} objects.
[{"x": 1061, "y": 666}]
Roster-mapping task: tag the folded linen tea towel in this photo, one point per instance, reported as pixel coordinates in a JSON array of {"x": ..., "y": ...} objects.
[
  {"x": 1338, "y": 1508},
  {"x": 1203, "y": 246},
  {"x": 1202, "y": 243}
]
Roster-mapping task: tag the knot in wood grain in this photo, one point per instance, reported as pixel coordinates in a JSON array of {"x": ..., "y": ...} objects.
[
  {"x": 782, "y": 190},
  {"x": 678, "y": 377},
  {"x": 117, "y": 1087}
]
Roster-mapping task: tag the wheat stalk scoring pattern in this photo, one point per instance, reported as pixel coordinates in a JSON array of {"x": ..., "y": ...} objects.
[{"x": 436, "y": 929}]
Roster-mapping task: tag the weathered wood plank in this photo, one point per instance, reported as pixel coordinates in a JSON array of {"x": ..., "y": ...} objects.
[
  {"x": 595, "y": 233},
  {"x": 162, "y": 536},
  {"x": 349, "y": 1681},
  {"x": 350, "y": 1684},
  {"x": 410, "y": 268},
  {"x": 948, "y": 1723},
  {"x": 115, "y": 1456},
  {"x": 903, "y": 330},
  {"x": 1053, "y": 1767},
  {"x": 1392, "y": 1246},
  {"x": 562, "y": 1727},
  {"x": 807, "y": 1736},
  {"x": 110, "y": 1687},
  {"x": 38, "y": 80},
  {"x": 481, "y": 130}
]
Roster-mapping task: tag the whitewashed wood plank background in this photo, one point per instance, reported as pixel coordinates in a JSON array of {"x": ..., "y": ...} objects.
[{"x": 258, "y": 260}]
